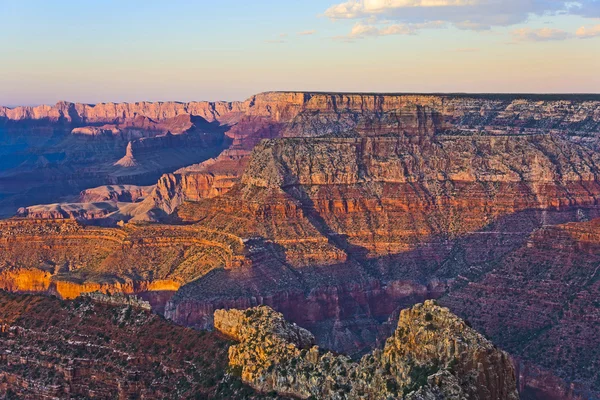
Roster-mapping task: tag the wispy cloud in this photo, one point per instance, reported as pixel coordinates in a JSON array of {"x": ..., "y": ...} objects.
[
  {"x": 359, "y": 9},
  {"x": 463, "y": 14},
  {"x": 361, "y": 30},
  {"x": 281, "y": 38},
  {"x": 540, "y": 35},
  {"x": 307, "y": 33},
  {"x": 586, "y": 33}
]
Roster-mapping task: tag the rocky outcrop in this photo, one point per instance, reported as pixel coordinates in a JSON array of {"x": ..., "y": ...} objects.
[
  {"x": 433, "y": 354},
  {"x": 119, "y": 299},
  {"x": 172, "y": 190},
  {"x": 116, "y": 193},
  {"x": 78, "y": 211},
  {"x": 128, "y": 160},
  {"x": 105, "y": 204}
]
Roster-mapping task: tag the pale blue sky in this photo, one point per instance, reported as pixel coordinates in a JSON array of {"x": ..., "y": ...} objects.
[{"x": 117, "y": 50}]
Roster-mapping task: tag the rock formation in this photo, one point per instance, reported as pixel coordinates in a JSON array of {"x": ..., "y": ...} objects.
[
  {"x": 433, "y": 354},
  {"x": 48, "y": 162},
  {"x": 116, "y": 193},
  {"x": 65, "y": 258},
  {"x": 128, "y": 160}
]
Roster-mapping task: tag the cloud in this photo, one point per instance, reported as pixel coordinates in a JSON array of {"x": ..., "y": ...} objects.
[
  {"x": 361, "y": 30},
  {"x": 307, "y": 33},
  {"x": 587, "y": 9},
  {"x": 540, "y": 35},
  {"x": 357, "y": 8},
  {"x": 276, "y": 41},
  {"x": 586, "y": 33},
  {"x": 347, "y": 10},
  {"x": 464, "y": 14}
]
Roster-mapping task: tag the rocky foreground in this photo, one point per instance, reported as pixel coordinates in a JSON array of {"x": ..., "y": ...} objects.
[
  {"x": 53, "y": 349},
  {"x": 432, "y": 355},
  {"x": 94, "y": 347}
]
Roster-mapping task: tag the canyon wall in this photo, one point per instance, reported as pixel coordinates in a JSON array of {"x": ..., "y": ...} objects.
[{"x": 67, "y": 259}]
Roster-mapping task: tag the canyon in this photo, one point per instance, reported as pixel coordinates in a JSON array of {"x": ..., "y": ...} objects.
[{"x": 337, "y": 210}]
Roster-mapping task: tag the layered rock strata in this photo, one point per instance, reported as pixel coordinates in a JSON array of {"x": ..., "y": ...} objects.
[
  {"x": 372, "y": 214},
  {"x": 67, "y": 259},
  {"x": 369, "y": 203}
]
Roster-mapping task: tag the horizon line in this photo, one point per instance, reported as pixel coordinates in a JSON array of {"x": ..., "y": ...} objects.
[{"x": 515, "y": 95}]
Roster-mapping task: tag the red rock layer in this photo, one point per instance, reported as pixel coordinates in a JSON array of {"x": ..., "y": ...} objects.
[{"x": 271, "y": 115}]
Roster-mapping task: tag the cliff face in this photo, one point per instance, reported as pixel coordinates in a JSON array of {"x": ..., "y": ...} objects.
[
  {"x": 272, "y": 115},
  {"x": 116, "y": 112},
  {"x": 561, "y": 112},
  {"x": 432, "y": 354}
]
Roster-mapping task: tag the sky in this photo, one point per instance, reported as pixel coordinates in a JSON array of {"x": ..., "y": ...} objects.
[{"x": 153, "y": 50}]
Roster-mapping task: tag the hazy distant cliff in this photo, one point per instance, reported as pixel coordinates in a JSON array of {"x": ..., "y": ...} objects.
[{"x": 555, "y": 110}]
